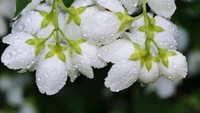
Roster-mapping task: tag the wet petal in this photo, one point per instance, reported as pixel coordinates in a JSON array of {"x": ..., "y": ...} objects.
[
  {"x": 83, "y": 65},
  {"x": 167, "y": 26},
  {"x": 122, "y": 75},
  {"x": 131, "y": 5},
  {"x": 19, "y": 56},
  {"x": 90, "y": 51},
  {"x": 51, "y": 75},
  {"x": 82, "y": 3},
  {"x": 29, "y": 22},
  {"x": 177, "y": 67},
  {"x": 164, "y": 8},
  {"x": 102, "y": 27},
  {"x": 149, "y": 76},
  {"x": 17, "y": 38},
  {"x": 113, "y": 5},
  {"x": 117, "y": 51}
]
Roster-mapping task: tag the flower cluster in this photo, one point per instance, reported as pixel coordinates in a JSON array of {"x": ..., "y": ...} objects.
[{"x": 92, "y": 33}]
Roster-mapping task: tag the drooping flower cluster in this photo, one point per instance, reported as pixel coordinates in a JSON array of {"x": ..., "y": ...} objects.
[{"x": 92, "y": 33}]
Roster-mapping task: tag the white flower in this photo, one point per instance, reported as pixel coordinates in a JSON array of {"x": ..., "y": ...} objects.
[
  {"x": 177, "y": 67},
  {"x": 19, "y": 54},
  {"x": 97, "y": 24},
  {"x": 51, "y": 74},
  {"x": 124, "y": 72},
  {"x": 164, "y": 88},
  {"x": 165, "y": 8},
  {"x": 84, "y": 63},
  {"x": 149, "y": 76},
  {"x": 31, "y": 6},
  {"x": 131, "y": 5},
  {"x": 31, "y": 22}
]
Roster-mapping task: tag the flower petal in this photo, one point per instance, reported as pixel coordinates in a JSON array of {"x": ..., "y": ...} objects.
[
  {"x": 29, "y": 22},
  {"x": 101, "y": 27},
  {"x": 149, "y": 76},
  {"x": 165, "y": 41},
  {"x": 90, "y": 52},
  {"x": 164, "y": 8},
  {"x": 83, "y": 65},
  {"x": 32, "y": 5},
  {"x": 177, "y": 67},
  {"x": 16, "y": 38},
  {"x": 131, "y": 5},
  {"x": 122, "y": 75},
  {"x": 82, "y": 3},
  {"x": 137, "y": 37},
  {"x": 117, "y": 51},
  {"x": 73, "y": 31},
  {"x": 71, "y": 69},
  {"x": 113, "y": 5},
  {"x": 19, "y": 56},
  {"x": 50, "y": 75},
  {"x": 167, "y": 26}
]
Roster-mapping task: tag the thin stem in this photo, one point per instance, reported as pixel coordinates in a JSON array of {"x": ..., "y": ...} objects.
[{"x": 63, "y": 5}]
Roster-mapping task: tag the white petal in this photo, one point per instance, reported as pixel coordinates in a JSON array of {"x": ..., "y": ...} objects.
[
  {"x": 50, "y": 75},
  {"x": 122, "y": 75},
  {"x": 44, "y": 7},
  {"x": 29, "y": 22},
  {"x": 101, "y": 27},
  {"x": 73, "y": 31},
  {"x": 177, "y": 68},
  {"x": 113, "y": 5},
  {"x": 137, "y": 37},
  {"x": 131, "y": 5},
  {"x": 19, "y": 56},
  {"x": 117, "y": 51},
  {"x": 83, "y": 65},
  {"x": 3, "y": 25},
  {"x": 32, "y": 5},
  {"x": 71, "y": 68},
  {"x": 90, "y": 52},
  {"x": 17, "y": 38},
  {"x": 164, "y": 8},
  {"x": 167, "y": 26},
  {"x": 82, "y": 3},
  {"x": 165, "y": 41},
  {"x": 149, "y": 76}
]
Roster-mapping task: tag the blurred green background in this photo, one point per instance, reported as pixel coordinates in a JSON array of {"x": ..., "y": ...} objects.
[{"x": 19, "y": 93}]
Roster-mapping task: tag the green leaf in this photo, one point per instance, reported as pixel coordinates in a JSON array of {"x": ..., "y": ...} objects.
[
  {"x": 125, "y": 20},
  {"x": 75, "y": 45},
  {"x": 134, "y": 57},
  {"x": 61, "y": 56},
  {"x": 56, "y": 50},
  {"x": 75, "y": 15},
  {"x": 142, "y": 28},
  {"x": 50, "y": 54},
  {"x": 20, "y": 5},
  {"x": 81, "y": 9},
  {"x": 149, "y": 65},
  {"x": 43, "y": 13},
  {"x": 45, "y": 23},
  {"x": 165, "y": 62},
  {"x": 31, "y": 42},
  {"x": 158, "y": 29}
]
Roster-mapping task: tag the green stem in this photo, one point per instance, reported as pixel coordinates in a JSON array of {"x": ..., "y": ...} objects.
[
  {"x": 63, "y": 5},
  {"x": 55, "y": 5}
]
